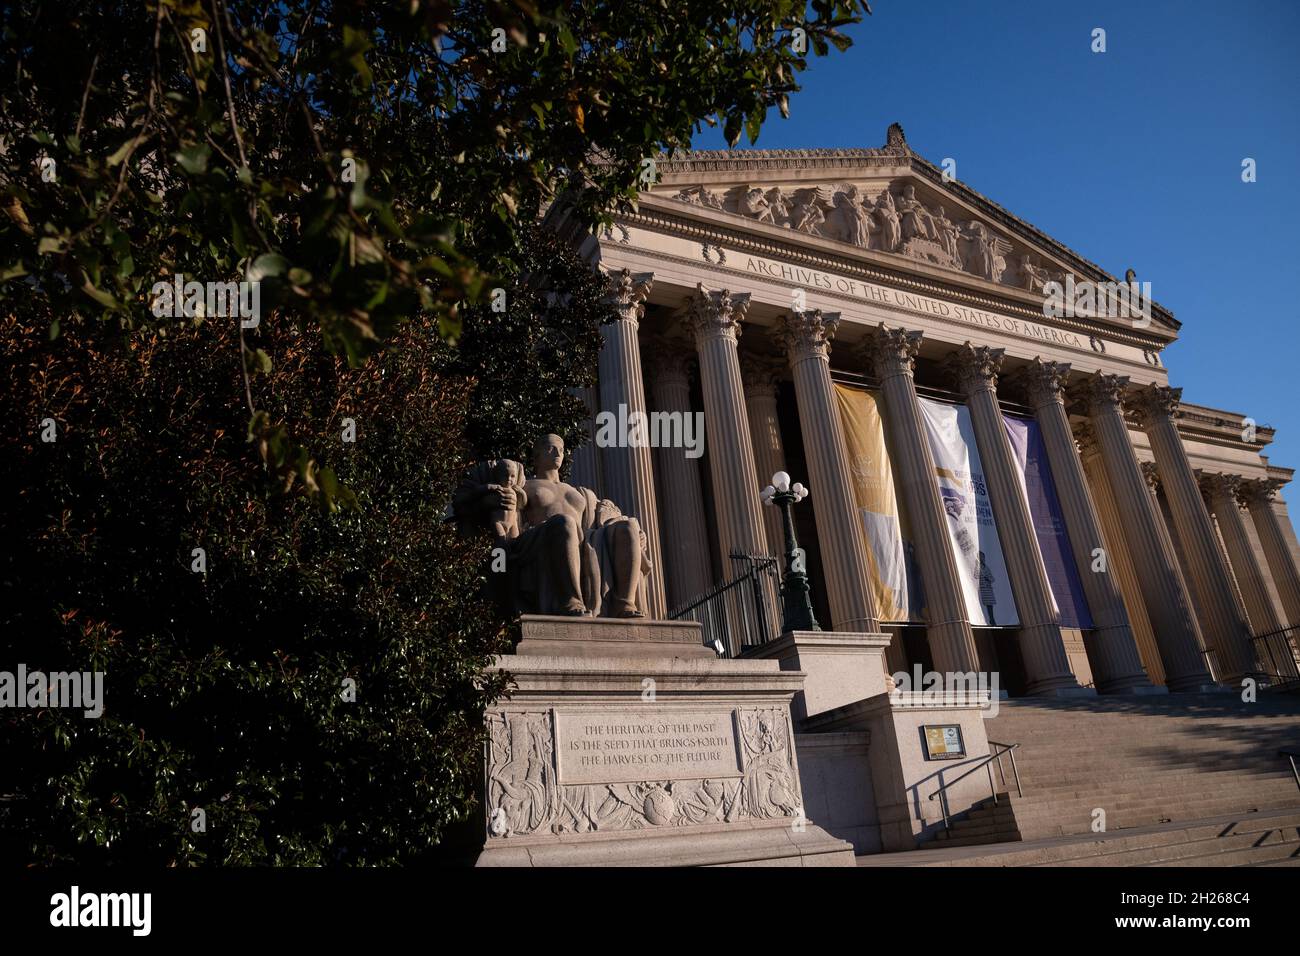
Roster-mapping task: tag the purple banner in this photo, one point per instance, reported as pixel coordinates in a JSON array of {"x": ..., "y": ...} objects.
[{"x": 1049, "y": 525}]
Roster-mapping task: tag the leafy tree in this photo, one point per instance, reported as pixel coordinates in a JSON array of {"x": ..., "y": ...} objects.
[
  {"x": 364, "y": 161},
  {"x": 378, "y": 169},
  {"x": 228, "y": 617}
]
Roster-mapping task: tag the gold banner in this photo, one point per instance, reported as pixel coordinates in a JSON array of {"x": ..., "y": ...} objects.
[{"x": 872, "y": 477}]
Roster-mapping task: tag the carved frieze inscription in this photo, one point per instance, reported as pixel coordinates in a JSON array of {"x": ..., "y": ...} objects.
[
  {"x": 625, "y": 748},
  {"x": 910, "y": 301}
]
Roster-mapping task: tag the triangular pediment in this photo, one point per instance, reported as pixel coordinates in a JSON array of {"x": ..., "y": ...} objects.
[{"x": 889, "y": 201}]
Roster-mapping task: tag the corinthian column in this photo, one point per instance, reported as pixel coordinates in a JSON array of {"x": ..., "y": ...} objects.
[
  {"x": 1258, "y": 497},
  {"x": 1112, "y": 649},
  {"x": 1225, "y": 625},
  {"x": 760, "y": 378},
  {"x": 891, "y": 354},
  {"x": 806, "y": 337},
  {"x": 1115, "y": 558},
  {"x": 629, "y": 472},
  {"x": 1222, "y": 491},
  {"x": 687, "y": 569},
  {"x": 715, "y": 318},
  {"x": 1047, "y": 666},
  {"x": 1167, "y": 604}
]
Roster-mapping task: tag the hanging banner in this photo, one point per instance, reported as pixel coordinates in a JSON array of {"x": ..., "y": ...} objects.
[
  {"x": 1049, "y": 525},
  {"x": 974, "y": 536},
  {"x": 895, "y": 579}
]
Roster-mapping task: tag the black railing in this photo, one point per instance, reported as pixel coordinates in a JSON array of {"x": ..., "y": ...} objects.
[
  {"x": 994, "y": 756},
  {"x": 741, "y": 612},
  {"x": 1291, "y": 755},
  {"x": 1277, "y": 655}
]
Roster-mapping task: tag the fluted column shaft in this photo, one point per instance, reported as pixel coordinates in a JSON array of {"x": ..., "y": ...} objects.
[
  {"x": 716, "y": 318},
  {"x": 1272, "y": 538},
  {"x": 1168, "y": 606},
  {"x": 806, "y": 337},
  {"x": 1112, "y": 648},
  {"x": 585, "y": 472},
  {"x": 629, "y": 471},
  {"x": 1118, "y": 560},
  {"x": 1223, "y": 491},
  {"x": 765, "y": 432},
  {"x": 687, "y": 568},
  {"x": 1047, "y": 666},
  {"x": 1225, "y": 626},
  {"x": 891, "y": 353}
]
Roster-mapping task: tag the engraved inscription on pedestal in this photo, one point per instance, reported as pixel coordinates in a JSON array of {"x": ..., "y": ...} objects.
[{"x": 626, "y": 748}]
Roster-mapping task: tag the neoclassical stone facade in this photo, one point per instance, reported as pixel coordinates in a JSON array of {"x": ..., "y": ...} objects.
[{"x": 750, "y": 284}]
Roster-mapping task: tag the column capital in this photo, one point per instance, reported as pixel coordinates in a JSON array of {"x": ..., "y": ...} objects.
[
  {"x": 1153, "y": 404},
  {"x": 1257, "y": 492},
  {"x": 807, "y": 334},
  {"x": 1101, "y": 390},
  {"x": 759, "y": 374},
  {"x": 888, "y": 352},
  {"x": 1151, "y": 472},
  {"x": 1217, "y": 487},
  {"x": 1044, "y": 382},
  {"x": 975, "y": 367},
  {"x": 627, "y": 292},
  {"x": 1086, "y": 439},
  {"x": 671, "y": 361},
  {"x": 716, "y": 314}
]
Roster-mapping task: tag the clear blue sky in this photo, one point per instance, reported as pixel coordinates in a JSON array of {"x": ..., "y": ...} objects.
[{"x": 1132, "y": 157}]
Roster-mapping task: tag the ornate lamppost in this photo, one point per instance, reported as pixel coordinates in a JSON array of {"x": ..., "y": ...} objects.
[{"x": 795, "y": 593}]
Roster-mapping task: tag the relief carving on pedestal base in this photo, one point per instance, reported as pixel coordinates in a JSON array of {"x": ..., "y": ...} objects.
[{"x": 525, "y": 794}]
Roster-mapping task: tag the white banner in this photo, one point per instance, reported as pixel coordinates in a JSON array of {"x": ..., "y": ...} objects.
[{"x": 974, "y": 536}]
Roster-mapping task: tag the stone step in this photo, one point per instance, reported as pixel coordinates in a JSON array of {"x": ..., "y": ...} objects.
[
  {"x": 969, "y": 829},
  {"x": 1271, "y": 828},
  {"x": 1231, "y": 783},
  {"x": 1244, "y": 857},
  {"x": 1179, "y": 852}
]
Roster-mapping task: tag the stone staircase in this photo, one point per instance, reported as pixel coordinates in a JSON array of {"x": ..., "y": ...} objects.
[
  {"x": 1143, "y": 761},
  {"x": 1266, "y": 838}
]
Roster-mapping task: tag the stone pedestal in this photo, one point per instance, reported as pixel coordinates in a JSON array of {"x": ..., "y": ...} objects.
[
  {"x": 839, "y": 668},
  {"x": 902, "y": 776},
  {"x": 653, "y": 755}
]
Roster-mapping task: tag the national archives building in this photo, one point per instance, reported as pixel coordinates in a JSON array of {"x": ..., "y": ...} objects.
[{"x": 996, "y": 487}]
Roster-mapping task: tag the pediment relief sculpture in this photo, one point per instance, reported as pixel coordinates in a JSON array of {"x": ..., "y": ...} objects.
[{"x": 896, "y": 220}]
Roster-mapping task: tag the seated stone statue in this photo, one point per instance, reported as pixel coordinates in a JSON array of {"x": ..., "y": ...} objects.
[{"x": 567, "y": 551}]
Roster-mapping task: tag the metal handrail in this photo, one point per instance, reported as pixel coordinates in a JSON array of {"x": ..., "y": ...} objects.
[
  {"x": 1264, "y": 646},
  {"x": 987, "y": 763},
  {"x": 723, "y": 612},
  {"x": 1291, "y": 755}
]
